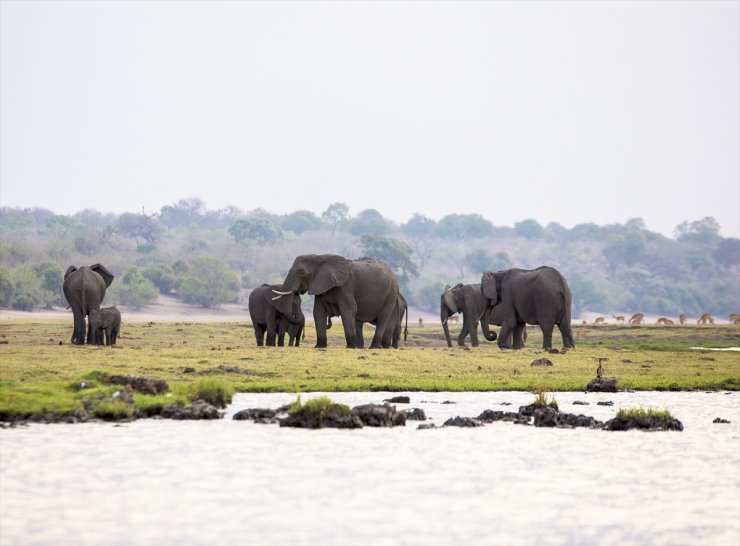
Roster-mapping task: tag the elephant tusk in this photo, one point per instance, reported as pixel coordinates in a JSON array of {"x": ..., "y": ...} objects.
[
  {"x": 277, "y": 297},
  {"x": 282, "y": 293}
]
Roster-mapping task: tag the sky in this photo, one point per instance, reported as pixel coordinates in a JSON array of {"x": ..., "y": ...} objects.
[{"x": 567, "y": 112}]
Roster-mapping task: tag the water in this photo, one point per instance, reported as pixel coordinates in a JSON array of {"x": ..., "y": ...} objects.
[{"x": 234, "y": 482}]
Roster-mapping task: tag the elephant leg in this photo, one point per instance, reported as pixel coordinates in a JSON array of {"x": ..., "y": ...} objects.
[
  {"x": 114, "y": 337},
  {"x": 384, "y": 322},
  {"x": 518, "y": 334},
  {"x": 547, "y": 328},
  {"x": 282, "y": 328},
  {"x": 359, "y": 325},
  {"x": 271, "y": 333},
  {"x": 505, "y": 335},
  {"x": 78, "y": 333},
  {"x": 259, "y": 333},
  {"x": 90, "y": 331},
  {"x": 567, "y": 333},
  {"x": 320, "y": 321},
  {"x": 473, "y": 331},
  {"x": 350, "y": 336},
  {"x": 462, "y": 335}
]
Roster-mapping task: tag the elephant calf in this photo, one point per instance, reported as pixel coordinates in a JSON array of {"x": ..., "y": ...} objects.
[{"x": 105, "y": 325}]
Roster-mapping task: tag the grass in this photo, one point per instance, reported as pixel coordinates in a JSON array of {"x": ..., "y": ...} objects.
[
  {"x": 215, "y": 360},
  {"x": 644, "y": 413},
  {"x": 321, "y": 407},
  {"x": 542, "y": 400}
]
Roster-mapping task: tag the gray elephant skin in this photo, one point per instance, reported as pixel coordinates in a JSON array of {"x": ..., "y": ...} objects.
[
  {"x": 391, "y": 338},
  {"x": 537, "y": 296},
  {"x": 106, "y": 325},
  {"x": 364, "y": 290},
  {"x": 268, "y": 320},
  {"x": 84, "y": 288},
  {"x": 468, "y": 300}
]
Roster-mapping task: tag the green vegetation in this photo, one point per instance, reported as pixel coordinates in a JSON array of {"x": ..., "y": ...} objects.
[
  {"x": 542, "y": 400},
  {"x": 622, "y": 267},
  {"x": 215, "y": 360},
  {"x": 321, "y": 407},
  {"x": 644, "y": 413}
]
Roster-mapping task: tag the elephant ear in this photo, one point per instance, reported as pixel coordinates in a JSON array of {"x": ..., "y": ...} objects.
[
  {"x": 103, "y": 272},
  {"x": 70, "y": 269},
  {"x": 489, "y": 286},
  {"x": 331, "y": 273},
  {"x": 449, "y": 298}
]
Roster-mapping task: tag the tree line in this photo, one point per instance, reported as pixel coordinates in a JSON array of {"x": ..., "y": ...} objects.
[{"x": 210, "y": 257}]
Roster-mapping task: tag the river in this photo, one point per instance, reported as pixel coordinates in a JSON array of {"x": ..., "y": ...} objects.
[{"x": 155, "y": 482}]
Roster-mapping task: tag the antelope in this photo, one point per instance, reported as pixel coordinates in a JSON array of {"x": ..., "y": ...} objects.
[
  {"x": 637, "y": 318},
  {"x": 599, "y": 320},
  {"x": 682, "y": 318},
  {"x": 618, "y": 318},
  {"x": 734, "y": 318},
  {"x": 421, "y": 322},
  {"x": 706, "y": 318},
  {"x": 663, "y": 320},
  {"x": 454, "y": 318}
]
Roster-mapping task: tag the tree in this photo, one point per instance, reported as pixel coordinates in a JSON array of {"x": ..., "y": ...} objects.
[
  {"x": 419, "y": 226},
  {"x": 395, "y": 253},
  {"x": 624, "y": 248},
  {"x": 140, "y": 227},
  {"x": 7, "y": 288},
  {"x": 464, "y": 226},
  {"x": 133, "y": 290},
  {"x": 50, "y": 277},
  {"x": 727, "y": 253},
  {"x": 257, "y": 229},
  {"x": 162, "y": 276},
  {"x": 478, "y": 260},
  {"x": 529, "y": 229},
  {"x": 368, "y": 222},
  {"x": 300, "y": 221},
  {"x": 704, "y": 231},
  {"x": 209, "y": 282},
  {"x": 184, "y": 213},
  {"x": 335, "y": 216},
  {"x": 27, "y": 292}
]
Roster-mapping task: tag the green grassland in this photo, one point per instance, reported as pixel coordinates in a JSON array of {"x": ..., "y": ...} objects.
[{"x": 39, "y": 374}]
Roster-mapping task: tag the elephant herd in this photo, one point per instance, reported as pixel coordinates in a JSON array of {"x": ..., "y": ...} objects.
[
  {"x": 360, "y": 291},
  {"x": 366, "y": 290}
]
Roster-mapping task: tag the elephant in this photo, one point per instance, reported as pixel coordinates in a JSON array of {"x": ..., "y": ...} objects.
[
  {"x": 538, "y": 296},
  {"x": 390, "y": 338},
  {"x": 106, "y": 324},
  {"x": 364, "y": 290},
  {"x": 468, "y": 300},
  {"x": 84, "y": 289},
  {"x": 266, "y": 318}
]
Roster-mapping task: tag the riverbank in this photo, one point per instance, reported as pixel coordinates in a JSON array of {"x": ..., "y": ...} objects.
[{"x": 41, "y": 371}]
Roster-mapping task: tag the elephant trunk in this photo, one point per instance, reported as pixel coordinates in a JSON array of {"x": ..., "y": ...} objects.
[
  {"x": 489, "y": 334},
  {"x": 443, "y": 315}
]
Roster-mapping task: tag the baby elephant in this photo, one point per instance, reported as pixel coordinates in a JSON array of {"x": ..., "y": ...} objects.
[{"x": 105, "y": 325}]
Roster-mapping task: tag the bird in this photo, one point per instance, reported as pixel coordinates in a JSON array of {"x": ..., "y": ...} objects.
[{"x": 600, "y": 369}]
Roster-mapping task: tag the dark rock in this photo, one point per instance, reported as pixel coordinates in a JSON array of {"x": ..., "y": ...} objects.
[
  {"x": 462, "y": 422},
  {"x": 415, "y": 414},
  {"x": 552, "y": 351},
  {"x": 335, "y": 417},
  {"x": 200, "y": 409},
  {"x": 505, "y": 403},
  {"x": 376, "y": 415},
  {"x": 399, "y": 400},
  {"x": 643, "y": 423},
  {"x": 602, "y": 384},
  {"x": 188, "y": 369},
  {"x": 426, "y": 426},
  {"x": 258, "y": 415},
  {"x": 490, "y": 416},
  {"x": 605, "y": 403},
  {"x": 545, "y": 417},
  {"x": 449, "y": 402},
  {"x": 144, "y": 385},
  {"x": 720, "y": 420},
  {"x": 529, "y": 410},
  {"x": 580, "y": 403},
  {"x": 571, "y": 420},
  {"x": 542, "y": 361}
]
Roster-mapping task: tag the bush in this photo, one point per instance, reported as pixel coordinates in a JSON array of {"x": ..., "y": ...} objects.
[
  {"x": 28, "y": 292},
  {"x": 134, "y": 290},
  {"x": 209, "y": 282},
  {"x": 7, "y": 288},
  {"x": 213, "y": 391}
]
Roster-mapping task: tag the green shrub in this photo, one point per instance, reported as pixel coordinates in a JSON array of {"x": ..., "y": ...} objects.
[
  {"x": 209, "y": 282},
  {"x": 213, "y": 391},
  {"x": 644, "y": 413},
  {"x": 133, "y": 290},
  {"x": 321, "y": 407}
]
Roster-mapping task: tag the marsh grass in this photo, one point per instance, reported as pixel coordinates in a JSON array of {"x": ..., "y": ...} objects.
[
  {"x": 37, "y": 374},
  {"x": 644, "y": 413},
  {"x": 543, "y": 400},
  {"x": 214, "y": 391},
  {"x": 321, "y": 407}
]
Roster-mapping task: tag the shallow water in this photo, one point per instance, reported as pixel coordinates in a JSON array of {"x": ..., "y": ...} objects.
[{"x": 234, "y": 482}]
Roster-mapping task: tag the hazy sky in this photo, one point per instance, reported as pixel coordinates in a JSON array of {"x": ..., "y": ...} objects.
[{"x": 580, "y": 111}]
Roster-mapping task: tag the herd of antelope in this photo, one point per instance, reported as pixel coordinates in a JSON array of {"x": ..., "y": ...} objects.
[{"x": 639, "y": 318}]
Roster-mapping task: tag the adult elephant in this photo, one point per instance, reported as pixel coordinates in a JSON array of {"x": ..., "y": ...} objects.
[
  {"x": 468, "y": 300},
  {"x": 538, "y": 296},
  {"x": 364, "y": 290},
  {"x": 268, "y": 319},
  {"x": 84, "y": 288},
  {"x": 392, "y": 337}
]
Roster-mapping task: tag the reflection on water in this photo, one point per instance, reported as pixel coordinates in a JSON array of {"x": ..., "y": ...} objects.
[{"x": 234, "y": 482}]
